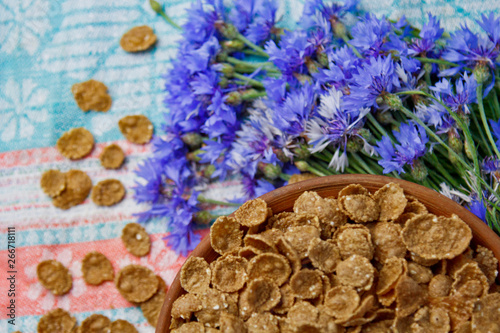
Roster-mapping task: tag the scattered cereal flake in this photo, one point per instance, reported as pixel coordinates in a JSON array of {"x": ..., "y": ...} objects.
[
  {"x": 112, "y": 157},
  {"x": 96, "y": 268},
  {"x": 409, "y": 296},
  {"x": 433, "y": 237},
  {"x": 388, "y": 298},
  {"x": 285, "y": 220},
  {"x": 415, "y": 207},
  {"x": 337, "y": 219},
  {"x": 78, "y": 186},
  {"x": 96, "y": 323},
  {"x": 383, "y": 326},
  {"x": 184, "y": 306},
  {"x": 136, "y": 239},
  {"x": 231, "y": 324},
  {"x": 360, "y": 208},
  {"x": 327, "y": 322},
  {"x": 468, "y": 272},
  {"x": 225, "y": 235},
  {"x": 214, "y": 303},
  {"x": 402, "y": 324},
  {"x": 302, "y": 311},
  {"x": 419, "y": 273},
  {"x": 356, "y": 271},
  {"x": 122, "y": 326},
  {"x": 401, "y": 220},
  {"x": 354, "y": 239},
  {"x": 341, "y": 301},
  {"x": 195, "y": 275},
  {"x": 486, "y": 314},
  {"x": 54, "y": 276},
  {"x": 57, "y": 320},
  {"x": 306, "y": 284},
  {"x": 192, "y": 327},
  {"x": 391, "y": 200},
  {"x": 136, "y": 283},
  {"x": 312, "y": 203},
  {"x": 465, "y": 327},
  {"x": 390, "y": 273},
  {"x": 487, "y": 262},
  {"x": 269, "y": 265},
  {"x": 138, "y": 39},
  {"x": 289, "y": 252},
  {"x": 262, "y": 323},
  {"x": 75, "y": 143},
  {"x": 108, "y": 192},
  {"x": 229, "y": 273},
  {"x": 298, "y": 177},
  {"x": 260, "y": 242},
  {"x": 53, "y": 182},
  {"x": 353, "y": 189},
  {"x": 300, "y": 237},
  {"x": 286, "y": 301},
  {"x": 324, "y": 255},
  {"x": 459, "y": 308},
  {"x": 252, "y": 213},
  {"x": 248, "y": 252},
  {"x": 261, "y": 294},
  {"x": 455, "y": 264},
  {"x": 136, "y": 129},
  {"x": 91, "y": 95},
  {"x": 386, "y": 238},
  {"x": 152, "y": 307}
]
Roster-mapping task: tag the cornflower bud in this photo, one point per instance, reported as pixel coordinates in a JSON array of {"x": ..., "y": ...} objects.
[
  {"x": 281, "y": 155},
  {"x": 227, "y": 70},
  {"x": 354, "y": 144},
  {"x": 393, "y": 101},
  {"x": 223, "y": 82},
  {"x": 155, "y": 5},
  {"x": 454, "y": 141},
  {"x": 234, "y": 98},
  {"x": 419, "y": 170},
  {"x": 233, "y": 45},
  {"x": 227, "y": 30},
  {"x": 468, "y": 150},
  {"x": 322, "y": 59},
  {"x": 203, "y": 217},
  {"x": 481, "y": 73},
  {"x": 338, "y": 28},
  {"x": 365, "y": 133},
  {"x": 194, "y": 155},
  {"x": 221, "y": 56},
  {"x": 385, "y": 118},
  {"x": 208, "y": 171},
  {"x": 302, "y": 166},
  {"x": 301, "y": 152},
  {"x": 193, "y": 140},
  {"x": 428, "y": 67},
  {"x": 270, "y": 171}
]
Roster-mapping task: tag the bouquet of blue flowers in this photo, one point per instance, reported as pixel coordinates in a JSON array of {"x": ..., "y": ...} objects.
[{"x": 340, "y": 93}]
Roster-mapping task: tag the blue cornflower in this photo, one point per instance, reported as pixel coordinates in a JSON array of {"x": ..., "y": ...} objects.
[
  {"x": 331, "y": 12},
  {"x": 468, "y": 49},
  {"x": 263, "y": 24},
  {"x": 292, "y": 115},
  {"x": 290, "y": 56},
  {"x": 253, "y": 188},
  {"x": 200, "y": 23},
  {"x": 183, "y": 240},
  {"x": 275, "y": 89},
  {"x": 433, "y": 114},
  {"x": 334, "y": 126},
  {"x": 430, "y": 33},
  {"x": 465, "y": 93},
  {"x": 243, "y": 12},
  {"x": 478, "y": 208},
  {"x": 495, "y": 126},
  {"x": 374, "y": 79},
  {"x": 491, "y": 165},
  {"x": 343, "y": 64},
  {"x": 411, "y": 145},
  {"x": 148, "y": 187},
  {"x": 370, "y": 34},
  {"x": 491, "y": 25}
]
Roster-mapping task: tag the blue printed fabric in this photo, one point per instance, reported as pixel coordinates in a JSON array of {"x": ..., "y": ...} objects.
[{"x": 48, "y": 45}]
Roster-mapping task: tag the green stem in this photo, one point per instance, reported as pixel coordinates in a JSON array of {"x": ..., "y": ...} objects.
[
  {"x": 253, "y": 95},
  {"x": 376, "y": 124},
  {"x": 236, "y": 61},
  {"x": 356, "y": 52},
  {"x": 320, "y": 167},
  {"x": 363, "y": 164},
  {"x": 285, "y": 177},
  {"x": 479, "y": 94},
  {"x": 252, "y": 52},
  {"x": 217, "y": 202},
  {"x": 440, "y": 62},
  {"x": 254, "y": 83},
  {"x": 496, "y": 105},
  {"x": 435, "y": 162},
  {"x": 483, "y": 139},
  {"x": 251, "y": 45},
  {"x": 155, "y": 5}
]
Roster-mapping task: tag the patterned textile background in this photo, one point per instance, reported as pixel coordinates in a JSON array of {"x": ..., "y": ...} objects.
[{"x": 45, "y": 47}]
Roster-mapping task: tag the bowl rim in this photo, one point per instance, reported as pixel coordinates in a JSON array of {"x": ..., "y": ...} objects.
[{"x": 480, "y": 230}]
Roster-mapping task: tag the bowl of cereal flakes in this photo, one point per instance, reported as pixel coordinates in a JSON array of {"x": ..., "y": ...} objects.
[{"x": 347, "y": 253}]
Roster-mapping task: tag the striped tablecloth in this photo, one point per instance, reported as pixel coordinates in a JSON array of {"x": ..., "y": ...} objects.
[{"x": 45, "y": 47}]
